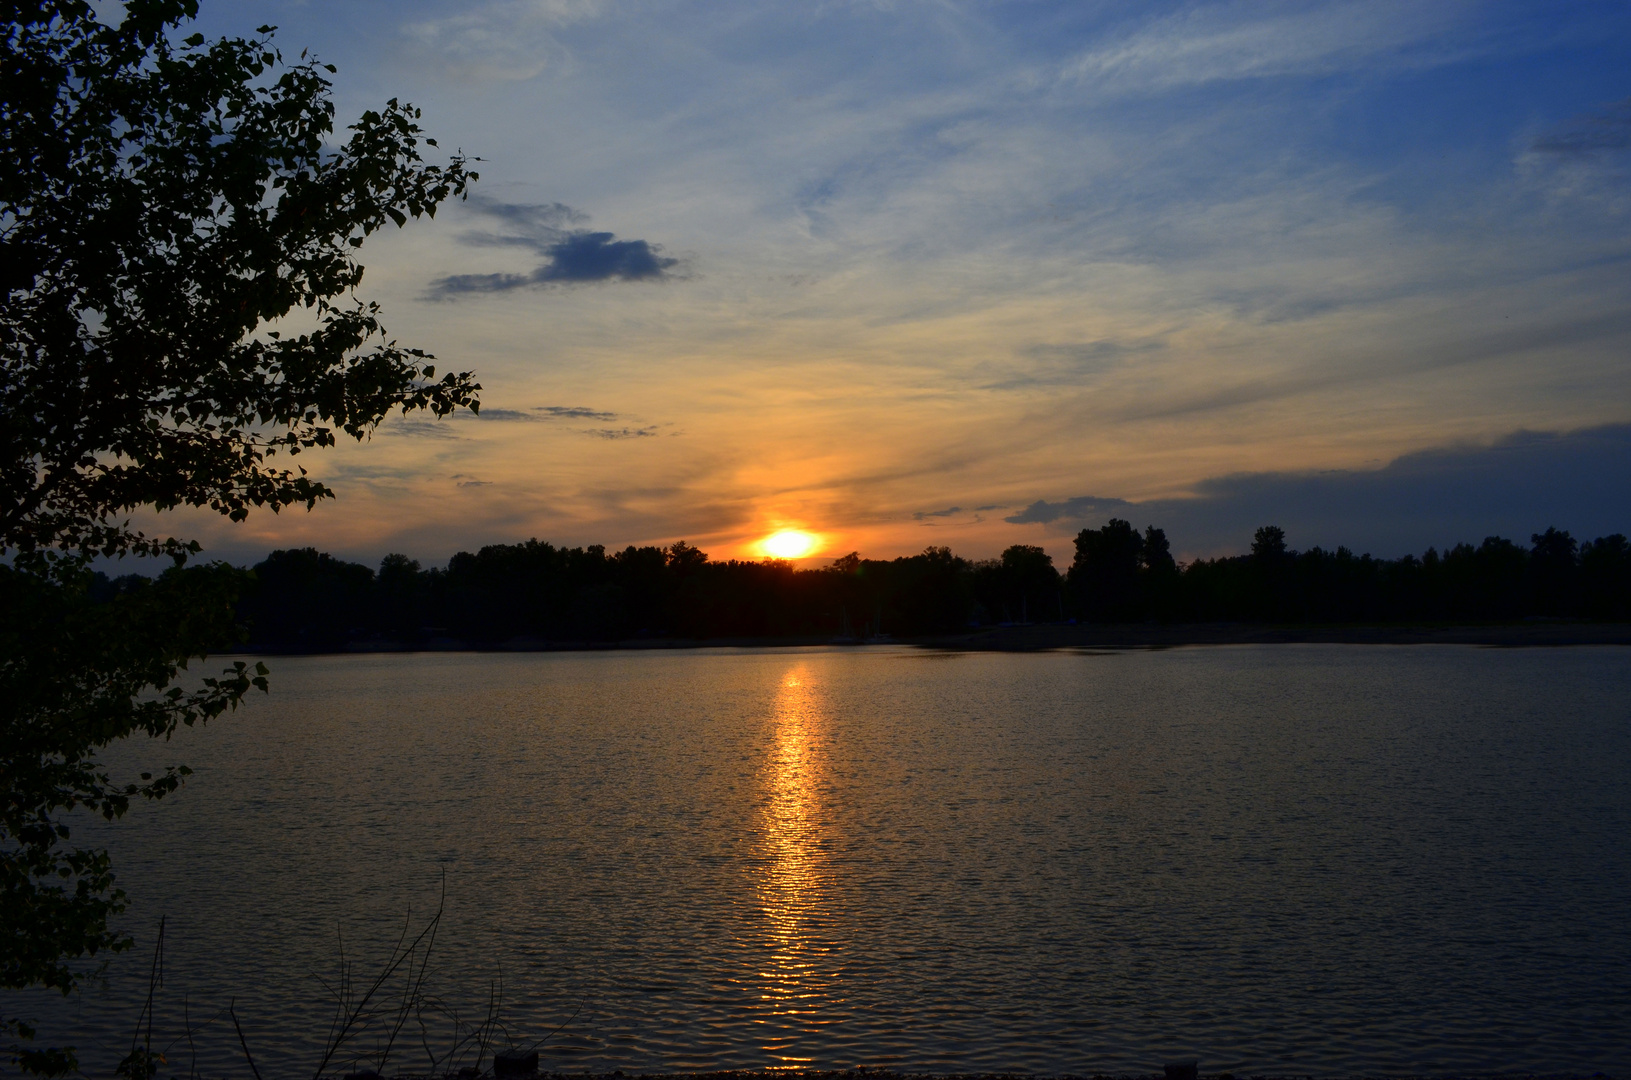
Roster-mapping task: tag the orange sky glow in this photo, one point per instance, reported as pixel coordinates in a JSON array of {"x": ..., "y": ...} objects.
[{"x": 976, "y": 291}]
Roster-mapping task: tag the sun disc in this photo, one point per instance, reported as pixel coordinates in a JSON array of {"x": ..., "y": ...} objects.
[{"x": 788, "y": 544}]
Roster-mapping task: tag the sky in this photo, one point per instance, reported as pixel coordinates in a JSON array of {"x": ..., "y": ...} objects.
[{"x": 985, "y": 273}]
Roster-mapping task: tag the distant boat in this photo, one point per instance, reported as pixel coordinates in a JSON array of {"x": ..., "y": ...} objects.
[
  {"x": 878, "y": 637},
  {"x": 846, "y": 636}
]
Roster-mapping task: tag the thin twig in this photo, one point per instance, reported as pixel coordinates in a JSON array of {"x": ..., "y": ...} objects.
[
  {"x": 190, "y": 1031},
  {"x": 233, "y": 1012},
  {"x": 562, "y": 1028},
  {"x": 154, "y": 978},
  {"x": 358, "y": 1011},
  {"x": 413, "y": 992},
  {"x": 186, "y": 1018},
  {"x": 495, "y": 994}
]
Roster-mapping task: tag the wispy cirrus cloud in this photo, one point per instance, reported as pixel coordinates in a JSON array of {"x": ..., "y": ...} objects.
[
  {"x": 1605, "y": 131},
  {"x": 1205, "y": 43},
  {"x": 1070, "y": 364},
  {"x": 508, "y": 40}
]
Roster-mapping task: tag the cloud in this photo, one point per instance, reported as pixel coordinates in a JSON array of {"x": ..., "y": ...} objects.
[
  {"x": 955, "y": 517},
  {"x": 420, "y": 429},
  {"x": 454, "y": 284},
  {"x": 510, "y": 39},
  {"x": 1255, "y": 40},
  {"x": 543, "y": 413},
  {"x": 571, "y": 256},
  {"x": 1520, "y": 484},
  {"x": 1603, "y": 132},
  {"x": 535, "y": 219},
  {"x": 1047, "y": 364},
  {"x": 600, "y": 256},
  {"x": 1543, "y": 338},
  {"x": 623, "y": 433},
  {"x": 538, "y": 414},
  {"x": 1042, "y": 512},
  {"x": 572, "y": 412}
]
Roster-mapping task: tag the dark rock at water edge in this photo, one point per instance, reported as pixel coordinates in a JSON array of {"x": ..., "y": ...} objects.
[{"x": 515, "y": 1064}]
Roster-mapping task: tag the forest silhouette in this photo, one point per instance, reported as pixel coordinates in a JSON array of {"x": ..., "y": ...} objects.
[{"x": 304, "y": 600}]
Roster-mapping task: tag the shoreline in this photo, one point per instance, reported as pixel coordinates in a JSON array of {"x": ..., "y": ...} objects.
[
  {"x": 1052, "y": 637},
  {"x": 889, "y": 1074}
]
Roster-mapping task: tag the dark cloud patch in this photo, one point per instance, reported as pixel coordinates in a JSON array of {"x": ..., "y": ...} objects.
[
  {"x": 541, "y": 413},
  {"x": 475, "y": 483},
  {"x": 421, "y": 429},
  {"x": 953, "y": 516},
  {"x": 571, "y": 255},
  {"x": 478, "y": 283},
  {"x": 600, "y": 256},
  {"x": 572, "y": 412},
  {"x": 1607, "y": 131},
  {"x": 538, "y": 414},
  {"x": 1580, "y": 481},
  {"x": 530, "y": 219},
  {"x": 544, "y": 414},
  {"x": 624, "y": 433},
  {"x": 1079, "y": 508}
]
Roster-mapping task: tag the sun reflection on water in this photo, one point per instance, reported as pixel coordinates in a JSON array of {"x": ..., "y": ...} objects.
[{"x": 795, "y": 975}]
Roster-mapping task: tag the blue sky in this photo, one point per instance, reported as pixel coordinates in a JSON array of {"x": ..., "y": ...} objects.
[{"x": 847, "y": 266}]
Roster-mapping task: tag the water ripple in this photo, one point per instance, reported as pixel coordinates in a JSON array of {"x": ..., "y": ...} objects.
[{"x": 1310, "y": 860}]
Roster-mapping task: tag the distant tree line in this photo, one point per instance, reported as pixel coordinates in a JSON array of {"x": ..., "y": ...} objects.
[{"x": 306, "y": 600}]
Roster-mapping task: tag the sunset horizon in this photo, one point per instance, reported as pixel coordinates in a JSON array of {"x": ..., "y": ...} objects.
[
  {"x": 978, "y": 275},
  {"x": 836, "y": 540}
]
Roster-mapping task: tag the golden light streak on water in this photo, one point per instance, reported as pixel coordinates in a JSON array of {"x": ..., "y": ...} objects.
[{"x": 795, "y": 977}]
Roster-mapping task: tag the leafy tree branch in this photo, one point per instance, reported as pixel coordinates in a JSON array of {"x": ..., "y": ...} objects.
[{"x": 179, "y": 233}]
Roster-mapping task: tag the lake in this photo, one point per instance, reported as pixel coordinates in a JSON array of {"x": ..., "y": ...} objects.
[{"x": 1277, "y": 859}]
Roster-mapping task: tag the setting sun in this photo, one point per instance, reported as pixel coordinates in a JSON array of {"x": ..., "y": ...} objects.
[{"x": 788, "y": 544}]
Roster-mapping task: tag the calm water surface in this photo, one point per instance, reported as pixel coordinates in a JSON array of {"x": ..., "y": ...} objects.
[{"x": 1310, "y": 859}]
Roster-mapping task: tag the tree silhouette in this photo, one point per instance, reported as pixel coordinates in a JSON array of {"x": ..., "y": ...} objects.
[
  {"x": 1030, "y": 582},
  {"x": 1552, "y": 572},
  {"x": 161, "y": 203},
  {"x": 1269, "y": 544},
  {"x": 1104, "y": 575},
  {"x": 544, "y": 593}
]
